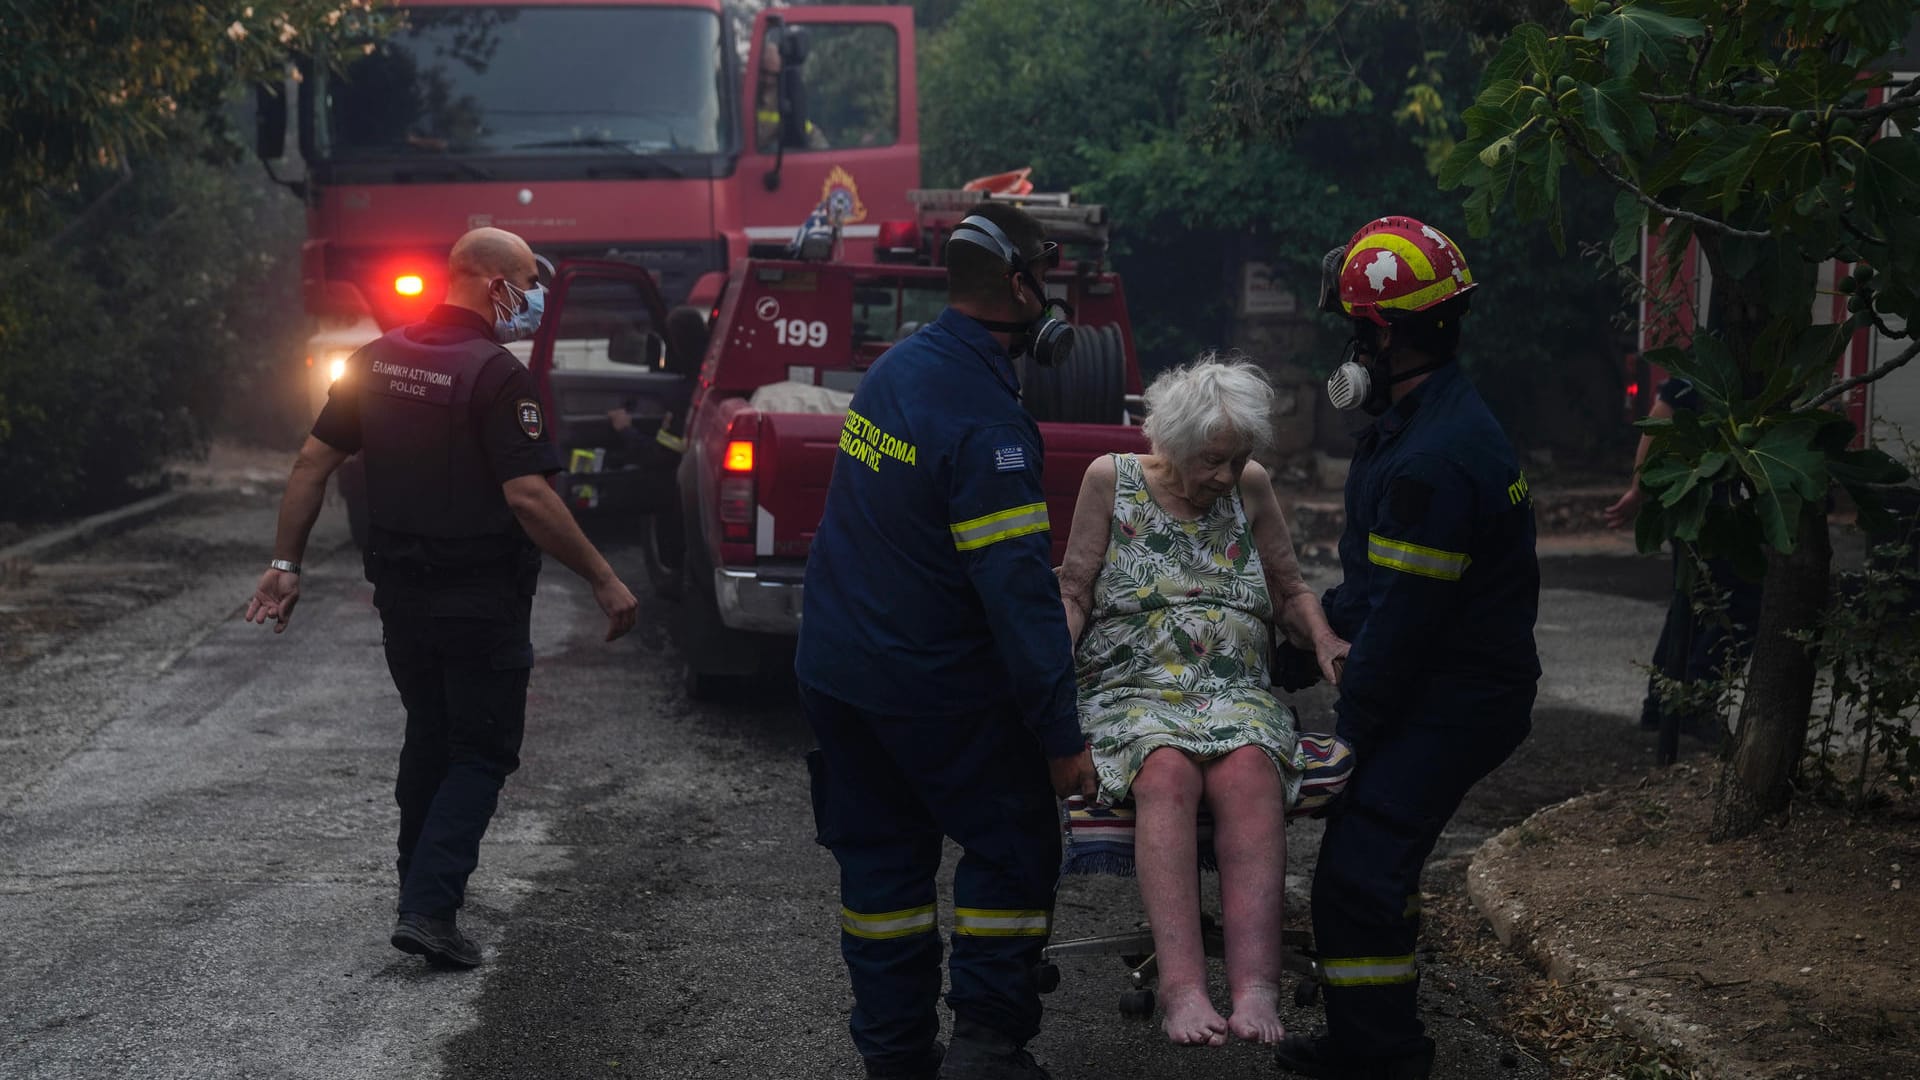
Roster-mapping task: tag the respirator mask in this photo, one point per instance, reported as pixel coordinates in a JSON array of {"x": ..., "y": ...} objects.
[
  {"x": 1365, "y": 377},
  {"x": 1048, "y": 337}
]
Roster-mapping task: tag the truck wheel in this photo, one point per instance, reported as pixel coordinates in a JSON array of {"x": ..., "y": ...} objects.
[{"x": 663, "y": 547}]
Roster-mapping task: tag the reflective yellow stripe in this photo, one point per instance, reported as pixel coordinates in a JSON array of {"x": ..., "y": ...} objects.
[
  {"x": 1414, "y": 301},
  {"x": 1414, "y": 559},
  {"x": 1417, "y": 260},
  {"x": 1005, "y": 525},
  {"x": 669, "y": 440},
  {"x": 888, "y": 924},
  {"x": 1000, "y": 922},
  {"x": 1370, "y": 971}
]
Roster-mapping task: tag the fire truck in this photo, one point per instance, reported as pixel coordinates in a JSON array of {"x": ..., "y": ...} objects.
[{"x": 636, "y": 132}]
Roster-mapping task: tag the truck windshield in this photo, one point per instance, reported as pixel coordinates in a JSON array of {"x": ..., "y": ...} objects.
[{"x": 520, "y": 81}]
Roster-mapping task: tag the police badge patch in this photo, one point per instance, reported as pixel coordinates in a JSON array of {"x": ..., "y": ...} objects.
[{"x": 527, "y": 411}]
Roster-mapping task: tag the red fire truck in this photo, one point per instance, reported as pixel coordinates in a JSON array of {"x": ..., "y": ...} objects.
[{"x": 629, "y": 131}]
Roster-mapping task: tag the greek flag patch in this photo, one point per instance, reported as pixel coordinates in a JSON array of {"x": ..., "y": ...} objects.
[{"x": 1009, "y": 458}]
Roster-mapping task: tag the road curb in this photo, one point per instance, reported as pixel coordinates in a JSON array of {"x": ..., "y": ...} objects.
[
  {"x": 92, "y": 528},
  {"x": 1533, "y": 935}
]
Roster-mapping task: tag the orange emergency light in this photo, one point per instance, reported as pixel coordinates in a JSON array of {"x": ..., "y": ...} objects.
[
  {"x": 739, "y": 457},
  {"x": 409, "y": 285}
]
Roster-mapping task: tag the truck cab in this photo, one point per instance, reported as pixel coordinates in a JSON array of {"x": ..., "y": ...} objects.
[
  {"x": 794, "y": 338},
  {"x": 645, "y": 132}
]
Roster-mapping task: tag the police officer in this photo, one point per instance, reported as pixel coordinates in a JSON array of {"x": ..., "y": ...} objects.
[
  {"x": 457, "y": 458},
  {"x": 1439, "y": 597},
  {"x": 937, "y": 674}
]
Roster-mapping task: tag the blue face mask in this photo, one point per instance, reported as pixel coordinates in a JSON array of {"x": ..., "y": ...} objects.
[{"x": 524, "y": 320}]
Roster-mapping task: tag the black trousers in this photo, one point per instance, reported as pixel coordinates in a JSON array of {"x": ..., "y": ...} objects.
[
  {"x": 463, "y": 680},
  {"x": 1694, "y": 649},
  {"x": 886, "y": 789}
]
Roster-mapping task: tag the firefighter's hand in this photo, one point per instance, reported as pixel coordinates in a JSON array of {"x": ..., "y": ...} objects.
[
  {"x": 1623, "y": 511},
  {"x": 617, "y": 602},
  {"x": 621, "y": 419},
  {"x": 1074, "y": 775},
  {"x": 274, "y": 598}
]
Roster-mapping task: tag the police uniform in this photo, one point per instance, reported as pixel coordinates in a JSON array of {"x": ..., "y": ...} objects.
[
  {"x": 937, "y": 673},
  {"x": 443, "y": 417},
  {"x": 1440, "y": 592}
]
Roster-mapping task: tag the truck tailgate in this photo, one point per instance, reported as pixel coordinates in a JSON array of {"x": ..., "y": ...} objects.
[{"x": 797, "y": 459}]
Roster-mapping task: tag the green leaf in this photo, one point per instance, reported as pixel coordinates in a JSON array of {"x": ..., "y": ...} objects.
[
  {"x": 1887, "y": 179},
  {"x": 1719, "y": 156},
  {"x": 1540, "y": 52},
  {"x": 1859, "y": 468},
  {"x": 1459, "y": 164},
  {"x": 1506, "y": 63},
  {"x": 1670, "y": 168},
  {"x": 1639, "y": 31},
  {"x": 1615, "y": 112},
  {"x": 1711, "y": 368},
  {"x": 1629, "y": 218},
  {"x": 1778, "y": 511},
  {"x": 1500, "y": 94}
]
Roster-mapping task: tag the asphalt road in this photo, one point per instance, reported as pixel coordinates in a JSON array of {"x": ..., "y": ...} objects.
[{"x": 196, "y": 851}]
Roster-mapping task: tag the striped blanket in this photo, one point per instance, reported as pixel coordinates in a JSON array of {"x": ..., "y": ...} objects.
[{"x": 1099, "y": 838}]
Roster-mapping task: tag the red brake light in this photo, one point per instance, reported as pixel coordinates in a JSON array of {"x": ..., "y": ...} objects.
[
  {"x": 409, "y": 285},
  {"x": 1633, "y": 389},
  {"x": 899, "y": 236},
  {"x": 739, "y": 457}
]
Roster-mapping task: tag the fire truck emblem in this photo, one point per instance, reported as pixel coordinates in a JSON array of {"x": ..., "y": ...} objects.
[{"x": 842, "y": 197}]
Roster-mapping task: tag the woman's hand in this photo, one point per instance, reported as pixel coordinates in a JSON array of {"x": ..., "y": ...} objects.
[{"x": 1331, "y": 650}]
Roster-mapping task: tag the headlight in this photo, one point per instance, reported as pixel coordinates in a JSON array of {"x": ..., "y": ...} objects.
[{"x": 336, "y": 366}]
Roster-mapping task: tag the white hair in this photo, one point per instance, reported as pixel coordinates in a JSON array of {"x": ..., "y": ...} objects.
[{"x": 1191, "y": 405}]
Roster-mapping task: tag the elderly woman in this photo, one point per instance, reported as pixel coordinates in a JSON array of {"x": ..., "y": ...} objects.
[{"x": 1178, "y": 563}]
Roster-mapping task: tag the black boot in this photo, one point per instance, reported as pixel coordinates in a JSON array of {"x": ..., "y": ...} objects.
[
  {"x": 928, "y": 1068},
  {"x": 981, "y": 1053},
  {"x": 439, "y": 940},
  {"x": 1315, "y": 1056}
]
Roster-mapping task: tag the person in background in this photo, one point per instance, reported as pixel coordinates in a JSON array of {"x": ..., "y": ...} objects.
[{"x": 1695, "y": 646}]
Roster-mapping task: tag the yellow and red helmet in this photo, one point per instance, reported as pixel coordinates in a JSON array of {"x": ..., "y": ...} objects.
[{"x": 1396, "y": 266}]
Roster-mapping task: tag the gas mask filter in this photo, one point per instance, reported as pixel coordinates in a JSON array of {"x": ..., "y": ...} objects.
[{"x": 1049, "y": 336}]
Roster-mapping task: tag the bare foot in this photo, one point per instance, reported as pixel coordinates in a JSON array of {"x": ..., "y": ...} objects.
[
  {"x": 1191, "y": 1019},
  {"x": 1256, "y": 1015}
]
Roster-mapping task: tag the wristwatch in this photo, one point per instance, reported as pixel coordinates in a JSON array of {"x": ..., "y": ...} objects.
[{"x": 284, "y": 566}]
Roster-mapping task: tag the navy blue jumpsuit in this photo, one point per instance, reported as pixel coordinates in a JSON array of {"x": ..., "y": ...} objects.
[
  {"x": 1440, "y": 592},
  {"x": 936, "y": 671}
]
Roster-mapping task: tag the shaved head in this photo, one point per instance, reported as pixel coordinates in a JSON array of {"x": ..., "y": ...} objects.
[
  {"x": 480, "y": 263},
  {"x": 492, "y": 253}
]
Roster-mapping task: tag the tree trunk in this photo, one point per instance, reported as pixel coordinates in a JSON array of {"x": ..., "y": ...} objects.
[{"x": 1756, "y": 780}]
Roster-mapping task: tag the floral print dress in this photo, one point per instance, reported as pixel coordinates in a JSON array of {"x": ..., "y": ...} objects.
[{"x": 1175, "y": 653}]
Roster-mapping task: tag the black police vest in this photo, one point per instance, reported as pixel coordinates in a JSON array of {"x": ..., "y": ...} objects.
[{"x": 427, "y": 474}]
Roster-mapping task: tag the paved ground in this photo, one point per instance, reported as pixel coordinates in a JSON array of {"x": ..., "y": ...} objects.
[{"x": 195, "y": 847}]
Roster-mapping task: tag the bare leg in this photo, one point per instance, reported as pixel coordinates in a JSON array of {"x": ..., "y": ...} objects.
[
  {"x": 1247, "y": 797},
  {"x": 1166, "y": 796}
]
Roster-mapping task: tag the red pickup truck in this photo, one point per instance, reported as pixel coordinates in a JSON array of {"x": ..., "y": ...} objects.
[{"x": 789, "y": 344}]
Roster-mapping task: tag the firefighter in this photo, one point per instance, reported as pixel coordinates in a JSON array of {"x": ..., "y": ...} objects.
[
  {"x": 1439, "y": 595},
  {"x": 457, "y": 458},
  {"x": 937, "y": 674}
]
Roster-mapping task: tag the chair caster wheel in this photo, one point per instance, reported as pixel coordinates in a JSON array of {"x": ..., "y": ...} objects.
[
  {"x": 1046, "y": 978},
  {"x": 1306, "y": 991},
  {"x": 1136, "y": 1003}
]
